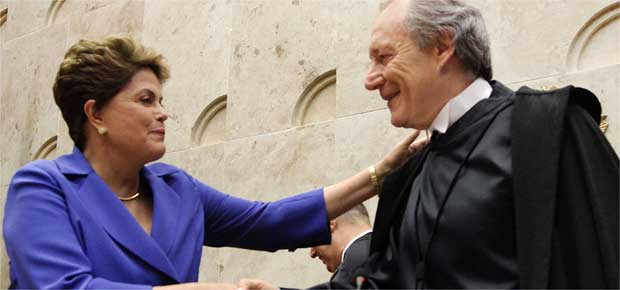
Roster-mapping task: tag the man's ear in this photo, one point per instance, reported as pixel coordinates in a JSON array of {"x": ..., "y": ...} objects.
[
  {"x": 93, "y": 115},
  {"x": 445, "y": 47}
]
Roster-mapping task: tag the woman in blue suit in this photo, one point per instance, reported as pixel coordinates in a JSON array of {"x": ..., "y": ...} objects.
[{"x": 99, "y": 218}]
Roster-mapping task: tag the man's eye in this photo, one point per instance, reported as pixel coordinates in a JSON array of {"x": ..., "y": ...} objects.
[{"x": 385, "y": 58}]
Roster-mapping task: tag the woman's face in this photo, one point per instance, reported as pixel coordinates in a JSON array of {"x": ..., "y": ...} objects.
[{"x": 135, "y": 119}]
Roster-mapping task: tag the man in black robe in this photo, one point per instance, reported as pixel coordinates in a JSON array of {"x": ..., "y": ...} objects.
[{"x": 515, "y": 190}]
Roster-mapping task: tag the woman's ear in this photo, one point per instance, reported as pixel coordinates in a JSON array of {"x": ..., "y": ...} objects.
[
  {"x": 332, "y": 225},
  {"x": 93, "y": 115}
]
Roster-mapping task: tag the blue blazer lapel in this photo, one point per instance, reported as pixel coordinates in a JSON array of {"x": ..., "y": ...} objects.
[
  {"x": 117, "y": 221},
  {"x": 166, "y": 206}
]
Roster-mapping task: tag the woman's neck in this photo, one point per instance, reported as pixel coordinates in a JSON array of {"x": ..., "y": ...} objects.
[{"x": 117, "y": 170}]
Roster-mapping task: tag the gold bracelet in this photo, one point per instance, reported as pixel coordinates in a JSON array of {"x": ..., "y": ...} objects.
[{"x": 374, "y": 179}]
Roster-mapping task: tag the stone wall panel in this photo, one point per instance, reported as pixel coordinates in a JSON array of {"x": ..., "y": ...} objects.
[
  {"x": 281, "y": 268},
  {"x": 278, "y": 48},
  {"x": 273, "y": 166},
  {"x": 123, "y": 17},
  {"x": 354, "y": 22},
  {"x": 361, "y": 141},
  {"x": 531, "y": 38},
  {"x": 25, "y": 16},
  {"x": 33, "y": 61},
  {"x": 267, "y": 168},
  {"x": 194, "y": 36}
]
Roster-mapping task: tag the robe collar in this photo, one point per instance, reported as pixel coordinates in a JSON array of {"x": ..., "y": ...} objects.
[{"x": 477, "y": 91}]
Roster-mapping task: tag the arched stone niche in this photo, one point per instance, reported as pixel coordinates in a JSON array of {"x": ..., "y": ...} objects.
[
  {"x": 599, "y": 36},
  {"x": 4, "y": 13},
  {"x": 52, "y": 11},
  {"x": 317, "y": 103},
  {"x": 210, "y": 127},
  {"x": 47, "y": 150}
]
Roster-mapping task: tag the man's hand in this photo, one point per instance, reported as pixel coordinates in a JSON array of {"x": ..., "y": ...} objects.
[{"x": 255, "y": 284}]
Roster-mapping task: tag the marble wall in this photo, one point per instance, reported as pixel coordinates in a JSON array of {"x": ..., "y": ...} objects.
[{"x": 266, "y": 97}]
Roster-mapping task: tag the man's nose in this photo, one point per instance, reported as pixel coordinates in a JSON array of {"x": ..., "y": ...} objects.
[{"x": 374, "y": 78}]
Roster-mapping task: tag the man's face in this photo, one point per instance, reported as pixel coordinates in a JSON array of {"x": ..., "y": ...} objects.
[
  {"x": 329, "y": 255},
  {"x": 405, "y": 75}
]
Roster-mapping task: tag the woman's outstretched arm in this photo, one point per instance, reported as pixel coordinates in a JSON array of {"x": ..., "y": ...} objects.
[{"x": 349, "y": 192}]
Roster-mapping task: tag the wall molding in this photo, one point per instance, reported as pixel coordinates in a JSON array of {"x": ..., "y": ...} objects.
[
  {"x": 200, "y": 128},
  {"x": 4, "y": 14},
  {"x": 598, "y": 21},
  {"x": 52, "y": 11},
  {"x": 310, "y": 92},
  {"x": 47, "y": 148}
]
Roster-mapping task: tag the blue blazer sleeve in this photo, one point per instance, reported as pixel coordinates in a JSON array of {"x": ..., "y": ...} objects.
[
  {"x": 42, "y": 244},
  {"x": 293, "y": 222}
]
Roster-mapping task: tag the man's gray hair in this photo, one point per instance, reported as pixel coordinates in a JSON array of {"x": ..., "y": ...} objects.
[
  {"x": 428, "y": 19},
  {"x": 357, "y": 215}
]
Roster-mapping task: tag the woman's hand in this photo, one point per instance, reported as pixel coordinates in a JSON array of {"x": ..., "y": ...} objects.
[
  {"x": 198, "y": 286},
  {"x": 255, "y": 284},
  {"x": 347, "y": 193},
  {"x": 399, "y": 155}
]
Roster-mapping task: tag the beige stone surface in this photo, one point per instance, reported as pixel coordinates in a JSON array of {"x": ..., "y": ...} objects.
[
  {"x": 282, "y": 268},
  {"x": 4, "y": 4},
  {"x": 3, "y": 138},
  {"x": 194, "y": 36},
  {"x": 531, "y": 38},
  {"x": 122, "y": 17},
  {"x": 33, "y": 61},
  {"x": 270, "y": 167},
  {"x": 266, "y": 168},
  {"x": 354, "y": 22},
  {"x": 205, "y": 163},
  {"x": 25, "y": 16},
  {"x": 361, "y": 141},
  {"x": 603, "y": 82},
  {"x": 279, "y": 47}
]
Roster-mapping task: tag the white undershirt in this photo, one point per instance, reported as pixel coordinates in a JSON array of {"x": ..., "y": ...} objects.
[
  {"x": 351, "y": 242},
  {"x": 478, "y": 90}
]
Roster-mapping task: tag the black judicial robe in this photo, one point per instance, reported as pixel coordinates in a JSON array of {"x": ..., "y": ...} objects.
[{"x": 521, "y": 192}]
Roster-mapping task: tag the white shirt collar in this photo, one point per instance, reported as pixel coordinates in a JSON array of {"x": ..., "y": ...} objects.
[
  {"x": 457, "y": 107},
  {"x": 351, "y": 242}
]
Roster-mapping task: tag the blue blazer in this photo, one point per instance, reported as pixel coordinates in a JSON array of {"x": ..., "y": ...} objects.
[{"x": 65, "y": 229}]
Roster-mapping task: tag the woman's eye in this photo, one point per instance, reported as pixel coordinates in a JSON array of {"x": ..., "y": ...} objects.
[{"x": 146, "y": 100}]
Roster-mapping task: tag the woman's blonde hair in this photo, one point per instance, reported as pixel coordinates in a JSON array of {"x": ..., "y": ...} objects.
[{"x": 97, "y": 71}]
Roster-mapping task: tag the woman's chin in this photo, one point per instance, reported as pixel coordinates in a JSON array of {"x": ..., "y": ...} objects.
[{"x": 157, "y": 154}]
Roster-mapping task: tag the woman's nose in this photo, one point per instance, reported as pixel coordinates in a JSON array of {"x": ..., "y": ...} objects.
[{"x": 162, "y": 115}]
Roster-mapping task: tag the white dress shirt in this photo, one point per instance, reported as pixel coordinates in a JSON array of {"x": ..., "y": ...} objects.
[
  {"x": 478, "y": 90},
  {"x": 351, "y": 242}
]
